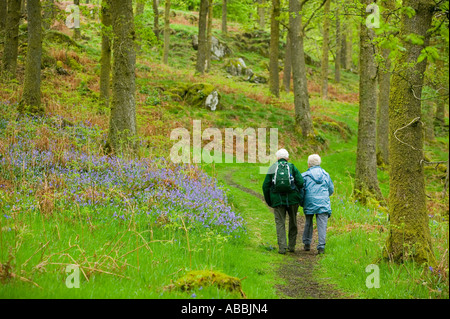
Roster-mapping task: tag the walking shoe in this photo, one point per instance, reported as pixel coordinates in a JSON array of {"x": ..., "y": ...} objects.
[
  {"x": 320, "y": 251},
  {"x": 307, "y": 247},
  {"x": 283, "y": 252}
]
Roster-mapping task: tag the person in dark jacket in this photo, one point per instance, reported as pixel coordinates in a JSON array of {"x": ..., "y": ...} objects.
[
  {"x": 283, "y": 203},
  {"x": 318, "y": 189}
]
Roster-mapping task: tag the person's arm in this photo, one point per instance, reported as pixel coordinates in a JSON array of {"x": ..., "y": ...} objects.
[
  {"x": 298, "y": 178},
  {"x": 266, "y": 188},
  {"x": 330, "y": 186}
]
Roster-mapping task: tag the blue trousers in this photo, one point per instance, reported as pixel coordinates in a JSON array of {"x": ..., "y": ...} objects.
[{"x": 321, "y": 220}]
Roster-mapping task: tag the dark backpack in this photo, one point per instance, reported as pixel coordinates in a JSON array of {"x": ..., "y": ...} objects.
[{"x": 283, "y": 181}]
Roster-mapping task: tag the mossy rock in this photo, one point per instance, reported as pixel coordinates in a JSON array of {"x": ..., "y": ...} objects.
[
  {"x": 201, "y": 95},
  {"x": 204, "y": 278}
]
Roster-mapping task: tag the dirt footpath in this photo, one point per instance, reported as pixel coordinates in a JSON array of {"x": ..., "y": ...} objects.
[{"x": 298, "y": 270}]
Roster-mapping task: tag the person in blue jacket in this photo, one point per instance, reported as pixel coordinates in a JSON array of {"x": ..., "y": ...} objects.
[{"x": 318, "y": 189}]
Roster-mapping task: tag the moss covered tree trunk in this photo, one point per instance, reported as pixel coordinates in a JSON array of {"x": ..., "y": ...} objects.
[
  {"x": 166, "y": 32},
  {"x": 31, "y": 98},
  {"x": 337, "y": 59},
  {"x": 303, "y": 119},
  {"x": 409, "y": 234},
  {"x": 209, "y": 35},
  {"x": 366, "y": 181},
  {"x": 122, "y": 125},
  {"x": 287, "y": 65},
  {"x": 155, "y": 4},
  {"x": 325, "y": 49},
  {"x": 105, "y": 60},
  {"x": 11, "y": 46},
  {"x": 384, "y": 86},
  {"x": 274, "y": 80},
  {"x": 261, "y": 13},
  {"x": 76, "y": 31},
  {"x": 224, "y": 17},
  {"x": 349, "y": 46},
  {"x": 202, "y": 45},
  {"x": 3, "y": 14}
]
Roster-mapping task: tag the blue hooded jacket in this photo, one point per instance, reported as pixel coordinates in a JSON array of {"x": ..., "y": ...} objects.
[{"x": 318, "y": 189}]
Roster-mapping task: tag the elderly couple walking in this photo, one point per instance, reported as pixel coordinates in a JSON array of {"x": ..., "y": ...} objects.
[{"x": 285, "y": 189}]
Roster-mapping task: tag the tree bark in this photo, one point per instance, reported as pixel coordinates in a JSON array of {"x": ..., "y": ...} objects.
[
  {"x": 105, "y": 60},
  {"x": 155, "y": 4},
  {"x": 409, "y": 234},
  {"x": 3, "y": 14},
  {"x": 349, "y": 46},
  {"x": 261, "y": 13},
  {"x": 76, "y": 31},
  {"x": 209, "y": 35},
  {"x": 337, "y": 60},
  {"x": 202, "y": 45},
  {"x": 287, "y": 65},
  {"x": 166, "y": 32},
  {"x": 11, "y": 47},
  {"x": 384, "y": 85},
  {"x": 49, "y": 12},
  {"x": 122, "y": 125},
  {"x": 325, "y": 49},
  {"x": 224, "y": 17},
  {"x": 31, "y": 98},
  {"x": 366, "y": 181},
  {"x": 274, "y": 80},
  {"x": 303, "y": 119}
]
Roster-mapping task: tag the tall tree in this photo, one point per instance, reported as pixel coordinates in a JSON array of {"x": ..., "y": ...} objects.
[
  {"x": 166, "y": 32},
  {"x": 3, "y": 14},
  {"x": 49, "y": 13},
  {"x": 287, "y": 65},
  {"x": 303, "y": 119},
  {"x": 409, "y": 234},
  {"x": 209, "y": 34},
  {"x": 202, "y": 45},
  {"x": 122, "y": 124},
  {"x": 384, "y": 85},
  {"x": 224, "y": 17},
  {"x": 366, "y": 180},
  {"x": 105, "y": 60},
  {"x": 76, "y": 31},
  {"x": 337, "y": 59},
  {"x": 261, "y": 8},
  {"x": 349, "y": 46},
  {"x": 31, "y": 98},
  {"x": 274, "y": 80},
  {"x": 155, "y": 5},
  {"x": 11, "y": 47},
  {"x": 325, "y": 49}
]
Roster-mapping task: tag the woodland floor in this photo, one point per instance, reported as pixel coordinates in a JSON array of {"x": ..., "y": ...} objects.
[{"x": 298, "y": 269}]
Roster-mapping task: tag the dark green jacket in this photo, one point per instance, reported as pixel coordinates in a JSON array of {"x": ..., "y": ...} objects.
[{"x": 276, "y": 199}]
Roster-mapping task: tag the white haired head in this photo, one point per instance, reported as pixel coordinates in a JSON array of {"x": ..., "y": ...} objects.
[
  {"x": 314, "y": 160},
  {"x": 282, "y": 153}
]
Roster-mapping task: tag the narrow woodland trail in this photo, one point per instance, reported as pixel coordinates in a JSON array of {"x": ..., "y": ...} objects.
[{"x": 298, "y": 269}]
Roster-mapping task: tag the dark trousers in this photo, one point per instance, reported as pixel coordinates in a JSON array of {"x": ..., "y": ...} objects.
[{"x": 280, "y": 219}]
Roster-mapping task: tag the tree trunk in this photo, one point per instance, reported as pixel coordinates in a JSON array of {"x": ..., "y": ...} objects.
[
  {"x": 301, "y": 99},
  {"x": 202, "y": 45},
  {"x": 274, "y": 81},
  {"x": 76, "y": 31},
  {"x": 344, "y": 46},
  {"x": 366, "y": 181},
  {"x": 11, "y": 46},
  {"x": 122, "y": 125},
  {"x": 49, "y": 12},
  {"x": 105, "y": 61},
  {"x": 3, "y": 14},
  {"x": 166, "y": 32},
  {"x": 287, "y": 65},
  {"x": 384, "y": 85},
  {"x": 349, "y": 46},
  {"x": 224, "y": 17},
  {"x": 325, "y": 49},
  {"x": 31, "y": 98},
  {"x": 261, "y": 13},
  {"x": 441, "y": 88},
  {"x": 155, "y": 4},
  {"x": 337, "y": 60},
  {"x": 209, "y": 35},
  {"x": 409, "y": 234}
]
